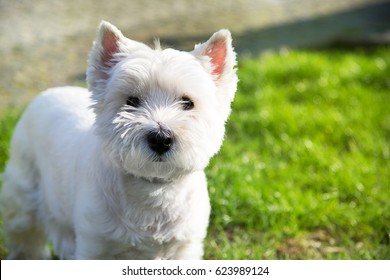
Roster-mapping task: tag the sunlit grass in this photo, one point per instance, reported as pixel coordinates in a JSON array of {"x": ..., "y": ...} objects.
[{"x": 305, "y": 168}]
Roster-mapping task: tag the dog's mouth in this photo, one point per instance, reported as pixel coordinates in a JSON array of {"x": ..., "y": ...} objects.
[{"x": 158, "y": 158}]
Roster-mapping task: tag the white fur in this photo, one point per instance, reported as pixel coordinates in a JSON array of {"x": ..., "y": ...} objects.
[{"x": 81, "y": 173}]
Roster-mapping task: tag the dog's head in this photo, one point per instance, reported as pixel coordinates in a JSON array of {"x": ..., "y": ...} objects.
[{"x": 161, "y": 113}]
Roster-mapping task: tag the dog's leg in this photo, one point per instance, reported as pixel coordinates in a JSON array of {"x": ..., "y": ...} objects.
[
  {"x": 24, "y": 235},
  {"x": 190, "y": 250},
  {"x": 90, "y": 247},
  {"x": 63, "y": 239}
]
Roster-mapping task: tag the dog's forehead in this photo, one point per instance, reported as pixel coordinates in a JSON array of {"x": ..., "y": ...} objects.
[
  {"x": 167, "y": 68},
  {"x": 153, "y": 59},
  {"x": 174, "y": 58},
  {"x": 183, "y": 69}
]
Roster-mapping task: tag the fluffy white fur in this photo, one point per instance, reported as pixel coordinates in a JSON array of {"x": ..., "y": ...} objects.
[{"x": 82, "y": 174}]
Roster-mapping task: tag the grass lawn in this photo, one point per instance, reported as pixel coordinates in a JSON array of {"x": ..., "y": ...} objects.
[{"x": 304, "y": 172}]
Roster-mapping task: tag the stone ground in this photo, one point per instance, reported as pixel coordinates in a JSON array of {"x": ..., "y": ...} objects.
[{"x": 45, "y": 43}]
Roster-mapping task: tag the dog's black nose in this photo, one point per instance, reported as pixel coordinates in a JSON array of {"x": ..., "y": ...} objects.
[{"x": 160, "y": 141}]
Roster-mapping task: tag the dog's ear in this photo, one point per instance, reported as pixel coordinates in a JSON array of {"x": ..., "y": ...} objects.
[
  {"x": 107, "y": 43},
  {"x": 219, "y": 53},
  {"x": 102, "y": 57}
]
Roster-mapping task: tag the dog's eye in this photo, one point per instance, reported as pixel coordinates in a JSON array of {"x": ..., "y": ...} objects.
[
  {"x": 187, "y": 103},
  {"x": 133, "y": 101}
]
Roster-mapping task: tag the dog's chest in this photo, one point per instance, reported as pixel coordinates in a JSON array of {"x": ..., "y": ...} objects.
[
  {"x": 148, "y": 248},
  {"x": 151, "y": 234},
  {"x": 145, "y": 218},
  {"x": 152, "y": 222},
  {"x": 158, "y": 221}
]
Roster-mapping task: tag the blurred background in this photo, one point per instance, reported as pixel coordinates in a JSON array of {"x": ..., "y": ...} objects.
[{"x": 45, "y": 43}]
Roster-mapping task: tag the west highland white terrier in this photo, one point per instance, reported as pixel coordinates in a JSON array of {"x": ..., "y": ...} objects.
[{"x": 116, "y": 171}]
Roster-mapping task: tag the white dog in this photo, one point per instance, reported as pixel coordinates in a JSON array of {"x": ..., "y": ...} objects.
[{"x": 116, "y": 172}]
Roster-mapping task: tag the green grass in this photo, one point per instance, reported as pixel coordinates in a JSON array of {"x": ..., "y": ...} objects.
[
  {"x": 304, "y": 172},
  {"x": 7, "y": 123},
  {"x": 305, "y": 168}
]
